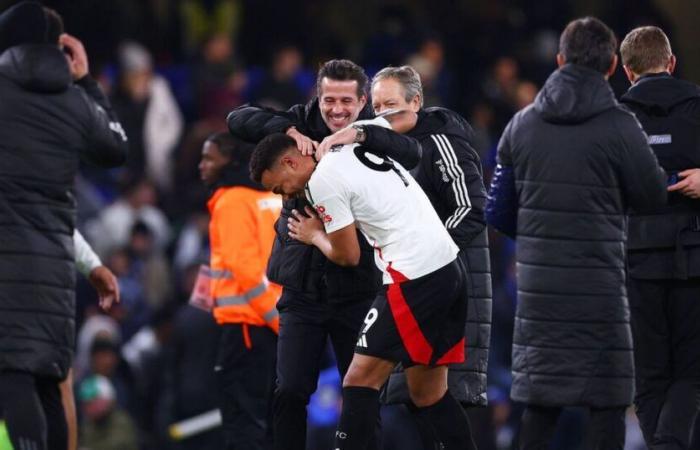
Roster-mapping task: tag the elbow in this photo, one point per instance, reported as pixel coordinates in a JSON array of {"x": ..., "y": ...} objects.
[{"x": 416, "y": 156}]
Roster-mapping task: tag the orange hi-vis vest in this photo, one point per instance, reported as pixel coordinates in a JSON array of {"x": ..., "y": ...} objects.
[{"x": 241, "y": 233}]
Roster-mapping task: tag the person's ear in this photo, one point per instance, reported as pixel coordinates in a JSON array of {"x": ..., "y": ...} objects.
[
  {"x": 613, "y": 66},
  {"x": 363, "y": 100},
  {"x": 671, "y": 64},
  {"x": 631, "y": 76},
  {"x": 415, "y": 103},
  {"x": 560, "y": 60},
  {"x": 288, "y": 161}
]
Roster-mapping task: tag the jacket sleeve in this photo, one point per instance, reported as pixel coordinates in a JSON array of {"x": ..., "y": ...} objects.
[
  {"x": 502, "y": 202},
  {"x": 253, "y": 123},
  {"x": 401, "y": 148},
  {"x": 106, "y": 144},
  {"x": 643, "y": 180},
  {"x": 456, "y": 177}
]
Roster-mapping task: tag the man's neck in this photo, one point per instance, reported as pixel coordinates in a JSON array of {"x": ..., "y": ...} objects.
[{"x": 651, "y": 73}]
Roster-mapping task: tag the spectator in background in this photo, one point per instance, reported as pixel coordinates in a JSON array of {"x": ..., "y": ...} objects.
[
  {"x": 429, "y": 62},
  {"x": 152, "y": 118},
  {"x": 106, "y": 360},
  {"x": 219, "y": 82},
  {"x": 569, "y": 166},
  {"x": 149, "y": 264},
  {"x": 192, "y": 246},
  {"x": 500, "y": 91},
  {"x": 280, "y": 88},
  {"x": 482, "y": 118},
  {"x": 663, "y": 253},
  {"x": 111, "y": 230},
  {"x": 53, "y": 114},
  {"x": 188, "y": 372},
  {"x": 133, "y": 312},
  {"x": 105, "y": 425}
]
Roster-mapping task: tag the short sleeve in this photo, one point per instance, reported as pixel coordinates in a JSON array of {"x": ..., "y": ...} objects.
[{"x": 331, "y": 200}]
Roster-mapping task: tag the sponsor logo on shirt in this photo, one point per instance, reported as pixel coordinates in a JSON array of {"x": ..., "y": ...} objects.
[
  {"x": 325, "y": 218},
  {"x": 273, "y": 203},
  {"x": 443, "y": 170},
  {"x": 656, "y": 139}
]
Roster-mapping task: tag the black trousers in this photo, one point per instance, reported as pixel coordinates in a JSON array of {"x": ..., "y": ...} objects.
[
  {"x": 245, "y": 370},
  {"x": 605, "y": 430},
  {"x": 666, "y": 330},
  {"x": 33, "y": 411},
  {"x": 304, "y": 330}
]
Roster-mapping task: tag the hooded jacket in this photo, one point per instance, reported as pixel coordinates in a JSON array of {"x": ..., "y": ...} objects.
[
  {"x": 48, "y": 125},
  {"x": 665, "y": 243},
  {"x": 578, "y": 161},
  {"x": 450, "y": 174},
  {"x": 299, "y": 267}
]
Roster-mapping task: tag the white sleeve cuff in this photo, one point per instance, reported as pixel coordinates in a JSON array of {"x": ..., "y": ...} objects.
[{"x": 85, "y": 258}]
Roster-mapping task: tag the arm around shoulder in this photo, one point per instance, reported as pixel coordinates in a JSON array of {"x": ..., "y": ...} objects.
[
  {"x": 253, "y": 123},
  {"x": 406, "y": 150}
]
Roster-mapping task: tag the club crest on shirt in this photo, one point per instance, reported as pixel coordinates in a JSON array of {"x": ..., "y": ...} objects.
[{"x": 325, "y": 218}]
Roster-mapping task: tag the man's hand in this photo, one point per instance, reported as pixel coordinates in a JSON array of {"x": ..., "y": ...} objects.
[
  {"x": 75, "y": 55},
  {"x": 689, "y": 185},
  {"x": 305, "y": 144},
  {"x": 305, "y": 229},
  {"x": 341, "y": 137},
  {"x": 105, "y": 283}
]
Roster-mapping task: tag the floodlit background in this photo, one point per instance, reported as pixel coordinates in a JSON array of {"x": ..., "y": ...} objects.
[{"x": 174, "y": 69}]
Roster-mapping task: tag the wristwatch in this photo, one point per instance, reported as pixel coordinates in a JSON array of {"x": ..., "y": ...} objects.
[{"x": 361, "y": 134}]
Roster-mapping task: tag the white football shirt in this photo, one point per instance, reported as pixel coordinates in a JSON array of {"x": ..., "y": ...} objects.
[{"x": 387, "y": 205}]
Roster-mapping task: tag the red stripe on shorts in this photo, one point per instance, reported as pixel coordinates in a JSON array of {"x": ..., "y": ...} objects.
[
  {"x": 418, "y": 347},
  {"x": 453, "y": 355}
]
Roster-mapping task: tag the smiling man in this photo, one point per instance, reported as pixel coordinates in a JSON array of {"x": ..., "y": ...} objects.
[
  {"x": 321, "y": 300},
  {"x": 418, "y": 317}
]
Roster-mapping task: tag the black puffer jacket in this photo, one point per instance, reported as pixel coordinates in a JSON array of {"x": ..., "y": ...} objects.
[
  {"x": 297, "y": 266},
  {"x": 579, "y": 160},
  {"x": 450, "y": 174},
  {"x": 665, "y": 243},
  {"x": 48, "y": 125}
]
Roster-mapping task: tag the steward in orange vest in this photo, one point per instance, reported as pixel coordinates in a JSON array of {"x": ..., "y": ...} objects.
[{"x": 241, "y": 233}]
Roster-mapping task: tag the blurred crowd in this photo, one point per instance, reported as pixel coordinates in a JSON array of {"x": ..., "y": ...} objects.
[{"x": 173, "y": 70}]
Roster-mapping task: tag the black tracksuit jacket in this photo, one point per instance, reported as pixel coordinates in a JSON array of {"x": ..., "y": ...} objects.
[
  {"x": 664, "y": 243},
  {"x": 450, "y": 174},
  {"x": 48, "y": 125}
]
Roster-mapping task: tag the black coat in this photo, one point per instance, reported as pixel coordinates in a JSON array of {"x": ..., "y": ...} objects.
[
  {"x": 450, "y": 174},
  {"x": 48, "y": 125},
  {"x": 299, "y": 267},
  {"x": 579, "y": 160},
  {"x": 665, "y": 243}
]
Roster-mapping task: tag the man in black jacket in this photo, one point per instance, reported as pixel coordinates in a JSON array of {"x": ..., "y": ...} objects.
[
  {"x": 53, "y": 115},
  {"x": 320, "y": 299},
  {"x": 664, "y": 246},
  {"x": 450, "y": 174},
  {"x": 574, "y": 161}
]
